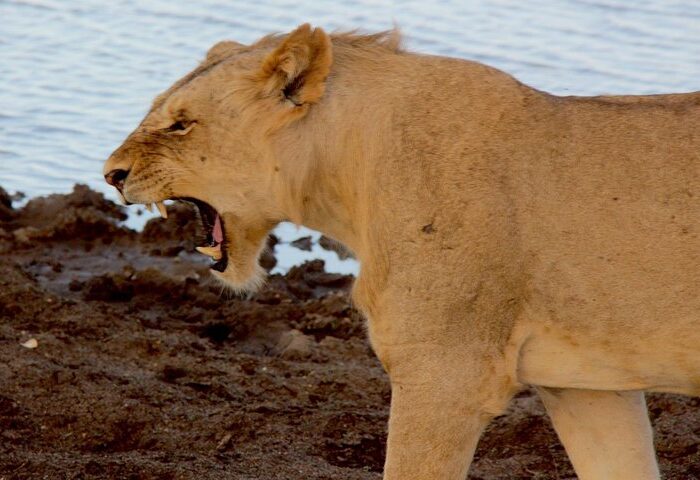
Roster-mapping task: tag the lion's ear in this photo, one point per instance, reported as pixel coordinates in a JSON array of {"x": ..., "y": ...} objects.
[
  {"x": 298, "y": 67},
  {"x": 222, "y": 49}
]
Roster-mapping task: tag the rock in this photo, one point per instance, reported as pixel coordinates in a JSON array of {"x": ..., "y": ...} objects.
[
  {"x": 335, "y": 246},
  {"x": 25, "y": 235},
  {"x": 294, "y": 345},
  {"x": 31, "y": 343},
  {"x": 6, "y": 212},
  {"x": 303, "y": 243},
  {"x": 5, "y": 199},
  {"x": 267, "y": 259},
  {"x": 108, "y": 288}
]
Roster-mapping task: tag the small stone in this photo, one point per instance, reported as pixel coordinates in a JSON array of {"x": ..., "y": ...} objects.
[
  {"x": 31, "y": 343},
  {"x": 224, "y": 442}
]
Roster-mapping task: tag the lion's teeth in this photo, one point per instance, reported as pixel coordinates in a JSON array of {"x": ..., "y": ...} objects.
[
  {"x": 149, "y": 207},
  {"x": 121, "y": 197},
  {"x": 213, "y": 252},
  {"x": 161, "y": 208}
]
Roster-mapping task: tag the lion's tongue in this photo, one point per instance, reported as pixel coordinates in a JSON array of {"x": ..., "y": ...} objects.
[{"x": 218, "y": 232}]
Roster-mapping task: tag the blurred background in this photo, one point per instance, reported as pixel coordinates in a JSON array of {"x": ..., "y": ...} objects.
[{"x": 77, "y": 76}]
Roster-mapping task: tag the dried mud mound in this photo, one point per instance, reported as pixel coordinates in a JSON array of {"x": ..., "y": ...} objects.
[
  {"x": 145, "y": 369},
  {"x": 80, "y": 215}
]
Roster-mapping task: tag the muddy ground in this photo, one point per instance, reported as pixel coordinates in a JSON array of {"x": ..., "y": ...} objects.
[{"x": 145, "y": 369}]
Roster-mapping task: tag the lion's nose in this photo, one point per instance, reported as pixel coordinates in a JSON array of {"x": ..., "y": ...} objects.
[{"x": 116, "y": 178}]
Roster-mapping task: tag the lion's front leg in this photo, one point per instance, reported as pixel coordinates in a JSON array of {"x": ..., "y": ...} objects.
[
  {"x": 606, "y": 434},
  {"x": 431, "y": 434},
  {"x": 442, "y": 398}
]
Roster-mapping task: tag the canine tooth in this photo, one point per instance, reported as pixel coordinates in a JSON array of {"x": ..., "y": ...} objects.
[
  {"x": 121, "y": 197},
  {"x": 149, "y": 207},
  {"x": 161, "y": 208},
  {"x": 213, "y": 252}
]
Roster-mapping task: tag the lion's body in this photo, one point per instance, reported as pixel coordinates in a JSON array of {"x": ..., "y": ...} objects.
[
  {"x": 506, "y": 237},
  {"x": 583, "y": 212}
]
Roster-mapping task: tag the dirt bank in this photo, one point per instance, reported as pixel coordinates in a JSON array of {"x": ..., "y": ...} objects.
[{"x": 146, "y": 369}]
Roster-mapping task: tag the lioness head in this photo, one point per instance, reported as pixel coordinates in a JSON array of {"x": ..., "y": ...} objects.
[{"x": 204, "y": 141}]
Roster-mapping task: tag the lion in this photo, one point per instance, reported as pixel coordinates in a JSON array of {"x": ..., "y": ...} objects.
[{"x": 506, "y": 237}]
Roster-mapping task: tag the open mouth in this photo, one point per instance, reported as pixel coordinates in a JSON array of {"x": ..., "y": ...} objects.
[
  {"x": 212, "y": 224},
  {"x": 214, "y": 238},
  {"x": 213, "y": 227}
]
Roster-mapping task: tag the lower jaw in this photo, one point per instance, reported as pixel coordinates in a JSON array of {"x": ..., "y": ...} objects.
[
  {"x": 215, "y": 230},
  {"x": 220, "y": 266},
  {"x": 247, "y": 280}
]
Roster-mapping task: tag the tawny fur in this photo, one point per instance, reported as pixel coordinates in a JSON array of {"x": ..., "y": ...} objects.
[{"x": 506, "y": 236}]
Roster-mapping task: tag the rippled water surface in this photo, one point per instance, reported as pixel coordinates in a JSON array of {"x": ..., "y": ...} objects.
[{"x": 77, "y": 76}]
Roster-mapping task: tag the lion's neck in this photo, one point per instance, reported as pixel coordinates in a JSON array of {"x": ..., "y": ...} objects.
[
  {"x": 326, "y": 183},
  {"x": 331, "y": 201}
]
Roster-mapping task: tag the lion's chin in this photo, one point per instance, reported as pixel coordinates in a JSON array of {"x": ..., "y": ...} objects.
[
  {"x": 244, "y": 245},
  {"x": 241, "y": 282}
]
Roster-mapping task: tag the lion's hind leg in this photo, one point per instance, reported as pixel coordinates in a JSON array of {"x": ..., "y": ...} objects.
[{"x": 607, "y": 434}]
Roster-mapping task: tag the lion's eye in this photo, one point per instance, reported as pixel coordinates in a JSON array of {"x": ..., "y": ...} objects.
[{"x": 181, "y": 127}]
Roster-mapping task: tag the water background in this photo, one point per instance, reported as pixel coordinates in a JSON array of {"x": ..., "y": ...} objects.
[{"x": 76, "y": 76}]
